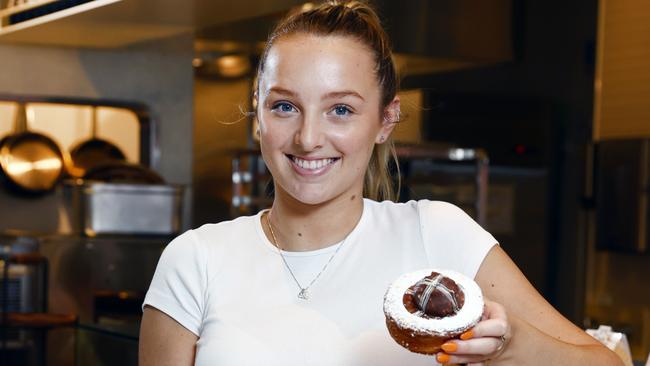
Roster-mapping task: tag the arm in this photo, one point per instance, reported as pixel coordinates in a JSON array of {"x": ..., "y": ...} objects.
[
  {"x": 163, "y": 341},
  {"x": 536, "y": 333}
]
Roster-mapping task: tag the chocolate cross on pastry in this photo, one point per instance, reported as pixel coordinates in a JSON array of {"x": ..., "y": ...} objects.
[{"x": 434, "y": 296}]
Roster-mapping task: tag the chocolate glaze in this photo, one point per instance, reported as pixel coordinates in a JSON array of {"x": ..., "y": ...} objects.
[{"x": 434, "y": 296}]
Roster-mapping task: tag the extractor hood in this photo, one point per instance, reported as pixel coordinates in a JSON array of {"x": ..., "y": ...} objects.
[{"x": 428, "y": 36}]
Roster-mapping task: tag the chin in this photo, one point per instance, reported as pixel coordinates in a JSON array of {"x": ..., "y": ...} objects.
[
  {"x": 311, "y": 199},
  {"x": 316, "y": 194}
]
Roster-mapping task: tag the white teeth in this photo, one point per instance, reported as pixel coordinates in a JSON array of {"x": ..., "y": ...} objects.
[{"x": 312, "y": 164}]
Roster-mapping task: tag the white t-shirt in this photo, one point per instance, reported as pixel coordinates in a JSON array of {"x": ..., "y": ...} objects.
[{"x": 227, "y": 284}]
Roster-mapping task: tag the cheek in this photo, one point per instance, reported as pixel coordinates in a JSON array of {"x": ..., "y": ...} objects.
[
  {"x": 271, "y": 141},
  {"x": 361, "y": 134},
  {"x": 355, "y": 142},
  {"x": 274, "y": 134}
]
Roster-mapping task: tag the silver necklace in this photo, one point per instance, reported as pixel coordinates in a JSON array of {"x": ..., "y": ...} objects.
[{"x": 304, "y": 291}]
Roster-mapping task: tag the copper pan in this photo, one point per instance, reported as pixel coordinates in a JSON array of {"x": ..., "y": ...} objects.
[
  {"x": 94, "y": 152},
  {"x": 30, "y": 161}
]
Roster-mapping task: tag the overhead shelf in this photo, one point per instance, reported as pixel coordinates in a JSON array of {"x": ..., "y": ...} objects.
[
  {"x": 118, "y": 23},
  {"x": 25, "y": 6}
]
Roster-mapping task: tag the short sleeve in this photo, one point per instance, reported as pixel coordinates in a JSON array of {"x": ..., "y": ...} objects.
[
  {"x": 452, "y": 239},
  {"x": 177, "y": 287}
]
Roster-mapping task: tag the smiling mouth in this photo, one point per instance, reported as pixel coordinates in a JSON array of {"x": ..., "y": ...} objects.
[{"x": 314, "y": 164}]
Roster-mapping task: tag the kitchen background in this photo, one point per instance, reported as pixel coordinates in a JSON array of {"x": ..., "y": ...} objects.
[{"x": 556, "y": 93}]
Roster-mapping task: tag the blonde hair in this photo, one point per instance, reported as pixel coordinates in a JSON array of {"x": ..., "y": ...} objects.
[{"x": 358, "y": 20}]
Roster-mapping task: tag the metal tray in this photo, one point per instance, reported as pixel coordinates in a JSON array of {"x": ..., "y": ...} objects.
[{"x": 130, "y": 209}]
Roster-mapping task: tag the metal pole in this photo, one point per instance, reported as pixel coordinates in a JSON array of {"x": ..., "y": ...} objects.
[
  {"x": 482, "y": 177},
  {"x": 5, "y": 297}
]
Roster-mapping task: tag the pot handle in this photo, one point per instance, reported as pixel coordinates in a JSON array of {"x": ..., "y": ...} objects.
[
  {"x": 94, "y": 121},
  {"x": 20, "y": 122}
]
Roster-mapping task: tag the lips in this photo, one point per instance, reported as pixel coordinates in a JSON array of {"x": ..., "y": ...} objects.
[{"x": 312, "y": 164}]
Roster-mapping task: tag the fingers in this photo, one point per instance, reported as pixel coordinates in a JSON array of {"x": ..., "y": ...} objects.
[
  {"x": 478, "y": 346},
  {"x": 491, "y": 328},
  {"x": 445, "y": 359},
  {"x": 470, "y": 351},
  {"x": 494, "y": 310},
  {"x": 494, "y": 324},
  {"x": 486, "y": 340},
  {"x": 473, "y": 351}
]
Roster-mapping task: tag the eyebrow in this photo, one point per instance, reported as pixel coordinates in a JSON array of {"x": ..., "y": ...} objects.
[
  {"x": 342, "y": 94},
  {"x": 282, "y": 91},
  {"x": 332, "y": 95}
]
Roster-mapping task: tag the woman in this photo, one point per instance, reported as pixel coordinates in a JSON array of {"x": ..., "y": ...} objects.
[{"x": 303, "y": 282}]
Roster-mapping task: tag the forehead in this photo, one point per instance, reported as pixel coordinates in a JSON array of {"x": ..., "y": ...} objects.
[{"x": 330, "y": 62}]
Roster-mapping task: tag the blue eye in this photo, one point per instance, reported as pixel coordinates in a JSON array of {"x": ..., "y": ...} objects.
[
  {"x": 341, "y": 110},
  {"x": 283, "y": 107}
]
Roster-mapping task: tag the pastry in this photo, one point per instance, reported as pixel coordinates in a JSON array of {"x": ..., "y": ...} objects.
[{"x": 426, "y": 308}]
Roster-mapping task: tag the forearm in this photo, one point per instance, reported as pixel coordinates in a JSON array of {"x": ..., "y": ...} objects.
[{"x": 530, "y": 346}]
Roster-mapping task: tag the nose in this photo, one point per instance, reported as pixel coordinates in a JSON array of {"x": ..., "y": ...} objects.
[{"x": 309, "y": 134}]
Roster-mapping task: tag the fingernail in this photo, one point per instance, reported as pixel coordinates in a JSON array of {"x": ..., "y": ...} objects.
[
  {"x": 467, "y": 335},
  {"x": 442, "y": 357},
  {"x": 449, "y": 347}
]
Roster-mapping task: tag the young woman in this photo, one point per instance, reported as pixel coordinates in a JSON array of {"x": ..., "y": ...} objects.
[{"x": 303, "y": 282}]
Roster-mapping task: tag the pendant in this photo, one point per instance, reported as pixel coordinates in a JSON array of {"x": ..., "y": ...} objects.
[{"x": 303, "y": 294}]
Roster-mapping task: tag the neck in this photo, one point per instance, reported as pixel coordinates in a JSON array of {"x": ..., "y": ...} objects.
[{"x": 301, "y": 227}]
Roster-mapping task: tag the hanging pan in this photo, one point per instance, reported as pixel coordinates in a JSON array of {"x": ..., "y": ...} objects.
[
  {"x": 94, "y": 152},
  {"x": 30, "y": 161}
]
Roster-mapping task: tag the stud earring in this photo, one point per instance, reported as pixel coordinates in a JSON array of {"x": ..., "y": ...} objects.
[{"x": 382, "y": 138}]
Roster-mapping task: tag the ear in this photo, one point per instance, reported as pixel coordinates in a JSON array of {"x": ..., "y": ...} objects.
[
  {"x": 391, "y": 117},
  {"x": 255, "y": 99},
  {"x": 256, "y": 122}
]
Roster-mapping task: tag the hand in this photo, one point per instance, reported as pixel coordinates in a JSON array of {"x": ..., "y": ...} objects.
[{"x": 484, "y": 342}]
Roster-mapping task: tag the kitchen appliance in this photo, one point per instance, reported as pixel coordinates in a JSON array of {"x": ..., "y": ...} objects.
[
  {"x": 126, "y": 209},
  {"x": 93, "y": 280},
  {"x": 622, "y": 186},
  {"x": 617, "y": 232},
  {"x": 522, "y": 136},
  {"x": 23, "y": 286},
  {"x": 21, "y": 290},
  {"x": 419, "y": 166}
]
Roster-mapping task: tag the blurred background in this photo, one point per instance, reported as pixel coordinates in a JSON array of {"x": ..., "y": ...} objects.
[{"x": 124, "y": 123}]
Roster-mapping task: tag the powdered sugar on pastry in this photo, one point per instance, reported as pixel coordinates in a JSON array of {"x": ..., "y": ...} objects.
[{"x": 466, "y": 317}]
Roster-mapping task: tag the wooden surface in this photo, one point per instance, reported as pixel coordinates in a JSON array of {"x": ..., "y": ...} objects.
[
  {"x": 622, "y": 104},
  {"x": 39, "y": 320}
]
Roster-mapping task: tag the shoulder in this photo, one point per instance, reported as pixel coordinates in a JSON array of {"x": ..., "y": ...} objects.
[
  {"x": 220, "y": 233},
  {"x": 206, "y": 244},
  {"x": 390, "y": 209},
  {"x": 423, "y": 209},
  {"x": 440, "y": 209},
  {"x": 448, "y": 220},
  {"x": 452, "y": 238},
  {"x": 442, "y": 214}
]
